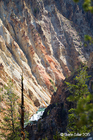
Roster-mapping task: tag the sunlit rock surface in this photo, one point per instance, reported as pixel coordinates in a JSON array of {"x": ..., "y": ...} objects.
[{"x": 45, "y": 39}]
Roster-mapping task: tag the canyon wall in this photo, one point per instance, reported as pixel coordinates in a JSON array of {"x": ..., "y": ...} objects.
[{"x": 45, "y": 40}]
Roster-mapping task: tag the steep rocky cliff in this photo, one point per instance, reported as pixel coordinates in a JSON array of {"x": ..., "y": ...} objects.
[{"x": 45, "y": 39}]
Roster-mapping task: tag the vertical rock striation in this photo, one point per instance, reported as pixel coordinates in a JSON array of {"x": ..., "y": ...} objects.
[{"x": 45, "y": 39}]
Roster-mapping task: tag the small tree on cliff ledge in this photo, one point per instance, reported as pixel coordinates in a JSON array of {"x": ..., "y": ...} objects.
[
  {"x": 81, "y": 115},
  {"x": 87, "y": 5}
]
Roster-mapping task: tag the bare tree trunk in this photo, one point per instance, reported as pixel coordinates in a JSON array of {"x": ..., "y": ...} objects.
[
  {"x": 22, "y": 112},
  {"x": 12, "y": 118}
]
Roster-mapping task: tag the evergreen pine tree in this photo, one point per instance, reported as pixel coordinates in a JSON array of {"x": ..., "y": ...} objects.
[
  {"x": 11, "y": 124},
  {"x": 10, "y": 127},
  {"x": 81, "y": 115}
]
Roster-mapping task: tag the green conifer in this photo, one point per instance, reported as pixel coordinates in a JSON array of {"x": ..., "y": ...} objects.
[
  {"x": 81, "y": 115},
  {"x": 11, "y": 124}
]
